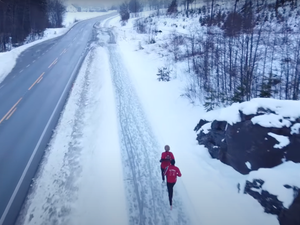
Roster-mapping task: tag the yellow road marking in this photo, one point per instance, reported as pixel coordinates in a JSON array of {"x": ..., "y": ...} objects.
[
  {"x": 14, "y": 108},
  {"x": 37, "y": 80},
  {"x": 52, "y": 63},
  {"x": 7, "y": 118},
  {"x": 64, "y": 51},
  {"x": 10, "y": 110}
]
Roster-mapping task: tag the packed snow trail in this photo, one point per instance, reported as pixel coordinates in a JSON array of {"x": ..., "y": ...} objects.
[{"x": 147, "y": 197}]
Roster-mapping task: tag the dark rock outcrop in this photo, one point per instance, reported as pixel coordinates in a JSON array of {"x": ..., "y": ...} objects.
[
  {"x": 272, "y": 205},
  {"x": 251, "y": 143},
  {"x": 291, "y": 216},
  {"x": 269, "y": 201},
  {"x": 214, "y": 141},
  {"x": 200, "y": 124},
  {"x": 246, "y": 147},
  {"x": 245, "y": 142}
]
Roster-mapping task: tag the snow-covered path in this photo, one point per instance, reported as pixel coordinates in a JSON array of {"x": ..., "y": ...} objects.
[{"x": 147, "y": 198}]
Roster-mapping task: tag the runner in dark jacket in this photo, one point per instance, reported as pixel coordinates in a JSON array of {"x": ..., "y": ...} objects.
[
  {"x": 172, "y": 172},
  {"x": 165, "y": 160}
]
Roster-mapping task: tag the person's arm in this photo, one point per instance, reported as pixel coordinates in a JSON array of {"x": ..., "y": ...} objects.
[
  {"x": 163, "y": 159},
  {"x": 178, "y": 172}
]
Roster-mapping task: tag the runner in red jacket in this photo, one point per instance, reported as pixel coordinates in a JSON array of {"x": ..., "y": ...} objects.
[
  {"x": 165, "y": 160},
  {"x": 172, "y": 172}
]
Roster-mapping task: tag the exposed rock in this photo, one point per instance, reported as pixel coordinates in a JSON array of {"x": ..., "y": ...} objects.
[
  {"x": 250, "y": 136},
  {"x": 295, "y": 189},
  {"x": 245, "y": 143},
  {"x": 214, "y": 141},
  {"x": 200, "y": 124},
  {"x": 269, "y": 201},
  {"x": 251, "y": 143},
  {"x": 291, "y": 153},
  {"x": 291, "y": 216},
  {"x": 272, "y": 205}
]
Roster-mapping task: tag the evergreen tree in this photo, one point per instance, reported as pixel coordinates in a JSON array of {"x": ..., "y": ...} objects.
[
  {"x": 211, "y": 100},
  {"x": 20, "y": 19},
  {"x": 38, "y": 16},
  {"x": 163, "y": 74},
  {"x": 124, "y": 12},
  {"x": 248, "y": 22},
  {"x": 134, "y": 6},
  {"x": 56, "y": 10},
  {"x": 233, "y": 24},
  {"x": 173, "y": 7},
  {"x": 267, "y": 84},
  {"x": 239, "y": 94}
]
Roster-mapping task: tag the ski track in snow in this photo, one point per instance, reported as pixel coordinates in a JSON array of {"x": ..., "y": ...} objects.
[{"x": 146, "y": 196}]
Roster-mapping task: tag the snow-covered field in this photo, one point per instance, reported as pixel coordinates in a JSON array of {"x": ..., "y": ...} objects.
[
  {"x": 103, "y": 162},
  {"x": 72, "y": 17}
]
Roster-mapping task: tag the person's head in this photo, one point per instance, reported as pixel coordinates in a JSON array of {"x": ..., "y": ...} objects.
[
  {"x": 167, "y": 148},
  {"x": 173, "y": 162}
]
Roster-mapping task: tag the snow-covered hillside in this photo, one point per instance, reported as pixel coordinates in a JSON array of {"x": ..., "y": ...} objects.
[
  {"x": 102, "y": 165},
  {"x": 90, "y": 181}
]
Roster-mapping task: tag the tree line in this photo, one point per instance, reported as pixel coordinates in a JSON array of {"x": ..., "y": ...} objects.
[
  {"x": 133, "y": 7},
  {"x": 247, "y": 50},
  {"x": 250, "y": 51},
  {"x": 20, "y": 19}
]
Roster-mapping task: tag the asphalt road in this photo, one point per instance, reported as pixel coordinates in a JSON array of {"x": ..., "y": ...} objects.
[{"x": 31, "y": 99}]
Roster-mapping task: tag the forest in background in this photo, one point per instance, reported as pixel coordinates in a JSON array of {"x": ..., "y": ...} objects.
[
  {"x": 23, "y": 20},
  {"x": 235, "y": 51}
]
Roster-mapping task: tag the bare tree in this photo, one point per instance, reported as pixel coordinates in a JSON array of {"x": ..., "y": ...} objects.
[
  {"x": 56, "y": 11},
  {"x": 134, "y": 7}
]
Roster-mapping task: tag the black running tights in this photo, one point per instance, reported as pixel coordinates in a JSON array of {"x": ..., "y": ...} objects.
[
  {"x": 170, "y": 191},
  {"x": 162, "y": 174}
]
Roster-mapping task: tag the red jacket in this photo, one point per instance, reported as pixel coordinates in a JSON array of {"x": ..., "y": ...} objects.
[
  {"x": 172, "y": 172},
  {"x": 165, "y": 159}
]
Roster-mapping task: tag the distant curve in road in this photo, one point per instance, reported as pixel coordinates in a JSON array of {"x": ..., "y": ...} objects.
[{"x": 32, "y": 97}]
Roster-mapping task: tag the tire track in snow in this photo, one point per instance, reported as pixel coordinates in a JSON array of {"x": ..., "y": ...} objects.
[{"x": 147, "y": 199}]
